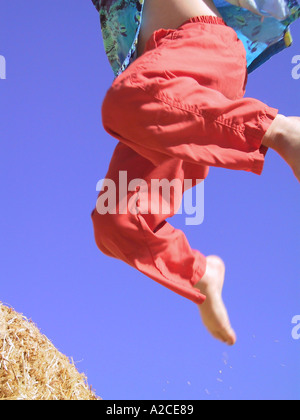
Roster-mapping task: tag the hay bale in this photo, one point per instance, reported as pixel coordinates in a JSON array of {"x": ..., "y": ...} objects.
[{"x": 31, "y": 368}]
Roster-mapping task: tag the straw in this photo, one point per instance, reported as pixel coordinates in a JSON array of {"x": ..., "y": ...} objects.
[{"x": 31, "y": 368}]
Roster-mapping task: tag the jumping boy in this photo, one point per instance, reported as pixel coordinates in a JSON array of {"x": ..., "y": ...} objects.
[{"x": 177, "y": 107}]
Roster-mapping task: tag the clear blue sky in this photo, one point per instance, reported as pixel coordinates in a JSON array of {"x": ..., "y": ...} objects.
[{"x": 133, "y": 338}]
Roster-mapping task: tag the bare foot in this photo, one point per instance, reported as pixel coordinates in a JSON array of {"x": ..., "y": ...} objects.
[
  {"x": 284, "y": 137},
  {"x": 213, "y": 312}
]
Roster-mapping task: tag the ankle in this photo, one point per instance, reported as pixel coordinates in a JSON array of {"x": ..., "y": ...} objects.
[
  {"x": 214, "y": 266},
  {"x": 274, "y": 136}
]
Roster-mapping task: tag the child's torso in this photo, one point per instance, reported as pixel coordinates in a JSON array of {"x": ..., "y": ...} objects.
[{"x": 262, "y": 25}]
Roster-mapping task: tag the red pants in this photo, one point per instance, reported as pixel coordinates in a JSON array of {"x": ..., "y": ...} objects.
[{"x": 176, "y": 110}]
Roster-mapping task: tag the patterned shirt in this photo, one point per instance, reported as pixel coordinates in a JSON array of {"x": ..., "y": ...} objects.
[{"x": 262, "y": 25}]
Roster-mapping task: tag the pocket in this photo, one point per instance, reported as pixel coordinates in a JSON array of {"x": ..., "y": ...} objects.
[{"x": 162, "y": 34}]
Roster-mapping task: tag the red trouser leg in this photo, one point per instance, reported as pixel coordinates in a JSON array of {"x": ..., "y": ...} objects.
[
  {"x": 146, "y": 241},
  {"x": 178, "y": 109}
]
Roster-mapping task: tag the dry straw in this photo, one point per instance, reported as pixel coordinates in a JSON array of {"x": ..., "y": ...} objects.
[{"x": 31, "y": 368}]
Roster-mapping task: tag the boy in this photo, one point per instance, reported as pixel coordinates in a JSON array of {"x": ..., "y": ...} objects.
[{"x": 177, "y": 107}]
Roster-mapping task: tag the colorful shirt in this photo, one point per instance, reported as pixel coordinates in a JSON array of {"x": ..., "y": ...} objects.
[{"x": 262, "y": 25}]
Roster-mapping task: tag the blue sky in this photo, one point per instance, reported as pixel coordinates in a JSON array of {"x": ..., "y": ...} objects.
[{"x": 133, "y": 338}]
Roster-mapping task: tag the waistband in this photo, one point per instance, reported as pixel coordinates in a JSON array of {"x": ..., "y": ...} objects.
[
  {"x": 216, "y": 20},
  {"x": 161, "y": 33}
]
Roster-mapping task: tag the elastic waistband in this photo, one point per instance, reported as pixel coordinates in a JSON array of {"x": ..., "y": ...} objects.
[
  {"x": 161, "y": 33},
  {"x": 205, "y": 19}
]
